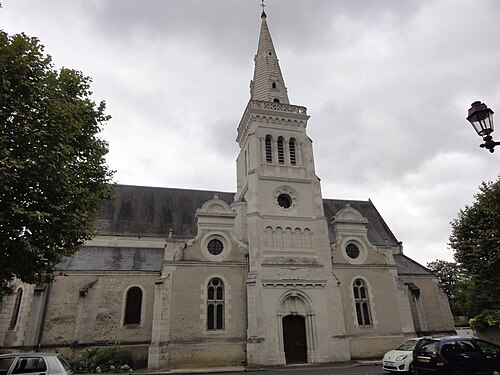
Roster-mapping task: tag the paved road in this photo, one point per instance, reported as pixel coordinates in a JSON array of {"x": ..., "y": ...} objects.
[{"x": 335, "y": 369}]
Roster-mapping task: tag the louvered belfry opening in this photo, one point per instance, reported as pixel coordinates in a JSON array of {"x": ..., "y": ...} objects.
[
  {"x": 293, "y": 159},
  {"x": 281, "y": 151},
  {"x": 269, "y": 149}
]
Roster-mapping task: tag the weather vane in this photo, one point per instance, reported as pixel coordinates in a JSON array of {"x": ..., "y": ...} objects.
[{"x": 263, "y": 5}]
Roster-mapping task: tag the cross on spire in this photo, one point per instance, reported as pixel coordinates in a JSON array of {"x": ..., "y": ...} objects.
[{"x": 263, "y": 15}]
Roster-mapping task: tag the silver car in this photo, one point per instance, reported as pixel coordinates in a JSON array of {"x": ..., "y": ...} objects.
[{"x": 34, "y": 363}]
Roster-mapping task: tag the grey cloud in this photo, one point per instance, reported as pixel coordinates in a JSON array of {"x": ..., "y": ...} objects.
[{"x": 387, "y": 84}]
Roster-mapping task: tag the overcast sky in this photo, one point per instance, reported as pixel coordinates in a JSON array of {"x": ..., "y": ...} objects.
[{"x": 387, "y": 84}]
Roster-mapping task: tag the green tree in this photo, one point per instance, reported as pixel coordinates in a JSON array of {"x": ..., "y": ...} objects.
[
  {"x": 475, "y": 238},
  {"x": 53, "y": 173},
  {"x": 456, "y": 285},
  {"x": 448, "y": 274}
]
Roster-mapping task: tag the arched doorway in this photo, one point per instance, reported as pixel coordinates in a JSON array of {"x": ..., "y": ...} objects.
[{"x": 294, "y": 339}]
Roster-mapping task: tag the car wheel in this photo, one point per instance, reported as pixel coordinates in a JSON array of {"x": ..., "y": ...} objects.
[
  {"x": 412, "y": 370},
  {"x": 459, "y": 371}
]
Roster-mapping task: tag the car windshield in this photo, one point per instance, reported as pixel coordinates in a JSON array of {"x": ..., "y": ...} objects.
[
  {"x": 407, "y": 346},
  {"x": 65, "y": 363}
]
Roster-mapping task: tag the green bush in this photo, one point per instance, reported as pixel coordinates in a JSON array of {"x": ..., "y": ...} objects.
[
  {"x": 461, "y": 321},
  {"x": 108, "y": 359},
  {"x": 488, "y": 318}
]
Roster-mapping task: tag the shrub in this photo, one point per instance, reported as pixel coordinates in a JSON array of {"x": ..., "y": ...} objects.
[
  {"x": 108, "y": 359},
  {"x": 488, "y": 318}
]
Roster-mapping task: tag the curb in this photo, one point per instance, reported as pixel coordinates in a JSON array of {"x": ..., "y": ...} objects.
[{"x": 338, "y": 365}]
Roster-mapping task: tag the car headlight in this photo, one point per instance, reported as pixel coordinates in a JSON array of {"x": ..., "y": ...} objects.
[{"x": 401, "y": 357}]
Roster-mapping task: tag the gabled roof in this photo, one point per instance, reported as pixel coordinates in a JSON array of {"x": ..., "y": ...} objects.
[
  {"x": 379, "y": 233},
  {"x": 407, "y": 266},
  {"x": 152, "y": 211}
]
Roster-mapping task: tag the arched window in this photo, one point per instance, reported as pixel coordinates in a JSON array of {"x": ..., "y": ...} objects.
[
  {"x": 276, "y": 100},
  {"x": 133, "y": 306},
  {"x": 269, "y": 149},
  {"x": 293, "y": 158},
  {"x": 215, "y": 304},
  {"x": 17, "y": 307},
  {"x": 274, "y": 85},
  {"x": 362, "y": 302},
  {"x": 281, "y": 153}
]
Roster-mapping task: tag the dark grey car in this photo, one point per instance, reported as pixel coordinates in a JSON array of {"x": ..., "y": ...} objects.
[{"x": 456, "y": 356}]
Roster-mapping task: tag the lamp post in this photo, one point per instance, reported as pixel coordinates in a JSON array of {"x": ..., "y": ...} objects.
[{"x": 481, "y": 118}]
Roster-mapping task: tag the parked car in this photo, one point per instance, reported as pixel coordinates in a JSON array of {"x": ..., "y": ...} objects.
[
  {"x": 456, "y": 356},
  {"x": 401, "y": 358},
  {"x": 30, "y": 363}
]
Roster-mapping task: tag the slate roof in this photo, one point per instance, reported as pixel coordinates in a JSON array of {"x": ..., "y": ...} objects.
[
  {"x": 407, "y": 266},
  {"x": 152, "y": 211},
  {"x": 378, "y": 231}
]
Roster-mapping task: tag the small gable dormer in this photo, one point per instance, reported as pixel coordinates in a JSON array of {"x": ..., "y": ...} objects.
[
  {"x": 215, "y": 214},
  {"x": 351, "y": 232}
]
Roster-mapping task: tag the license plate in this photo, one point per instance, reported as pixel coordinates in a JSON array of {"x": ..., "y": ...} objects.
[{"x": 425, "y": 360}]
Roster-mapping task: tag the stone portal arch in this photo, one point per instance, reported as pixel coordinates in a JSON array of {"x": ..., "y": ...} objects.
[{"x": 297, "y": 328}]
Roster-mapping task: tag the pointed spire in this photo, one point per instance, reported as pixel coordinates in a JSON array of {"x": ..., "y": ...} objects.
[{"x": 268, "y": 84}]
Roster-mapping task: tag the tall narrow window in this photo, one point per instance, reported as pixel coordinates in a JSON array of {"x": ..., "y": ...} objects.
[
  {"x": 133, "y": 306},
  {"x": 293, "y": 158},
  {"x": 246, "y": 163},
  {"x": 281, "y": 153},
  {"x": 17, "y": 307},
  {"x": 215, "y": 304},
  {"x": 362, "y": 303},
  {"x": 274, "y": 85},
  {"x": 269, "y": 149}
]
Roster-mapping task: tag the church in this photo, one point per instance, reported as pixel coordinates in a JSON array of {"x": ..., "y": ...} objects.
[{"x": 271, "y": 274}]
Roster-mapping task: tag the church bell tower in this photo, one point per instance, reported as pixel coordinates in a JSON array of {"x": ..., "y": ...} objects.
[{"x": 295, "y": 310}]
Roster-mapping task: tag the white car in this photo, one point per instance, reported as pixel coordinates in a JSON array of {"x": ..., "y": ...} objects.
[
  {"x": 34, "y": 364},
  {"x": 401, "y": 358}
]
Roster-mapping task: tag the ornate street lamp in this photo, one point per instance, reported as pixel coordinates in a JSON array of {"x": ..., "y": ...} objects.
[{"x": 481, "y": 118}]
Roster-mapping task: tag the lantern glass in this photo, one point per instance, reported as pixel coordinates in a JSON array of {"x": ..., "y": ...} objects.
[{"x": 481, "y": 118}]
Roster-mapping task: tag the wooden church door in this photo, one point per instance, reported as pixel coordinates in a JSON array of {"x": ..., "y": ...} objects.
[{"x": 294, "y": 339}]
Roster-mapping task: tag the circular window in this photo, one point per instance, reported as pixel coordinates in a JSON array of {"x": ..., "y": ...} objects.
[
  {"x": 284, "y": 201},
  {"x": 215, "y": 247},
  {"x": 352, "y": 251}
]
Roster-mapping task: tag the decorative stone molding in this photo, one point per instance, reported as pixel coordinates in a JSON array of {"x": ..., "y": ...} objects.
[
  {"x": 349, "y": 215},
  {"x": 294, "y": 283},
  {"x": 215, "y": 207},
  {"x": 363, "y": 251},
  {"x": 258, "y": 104},
  {"x": 221, "y": 236},
  {"x": 290, "y": 192}
]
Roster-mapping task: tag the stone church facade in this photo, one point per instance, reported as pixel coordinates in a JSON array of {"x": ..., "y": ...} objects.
[{"x": 272, "y": 274}]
